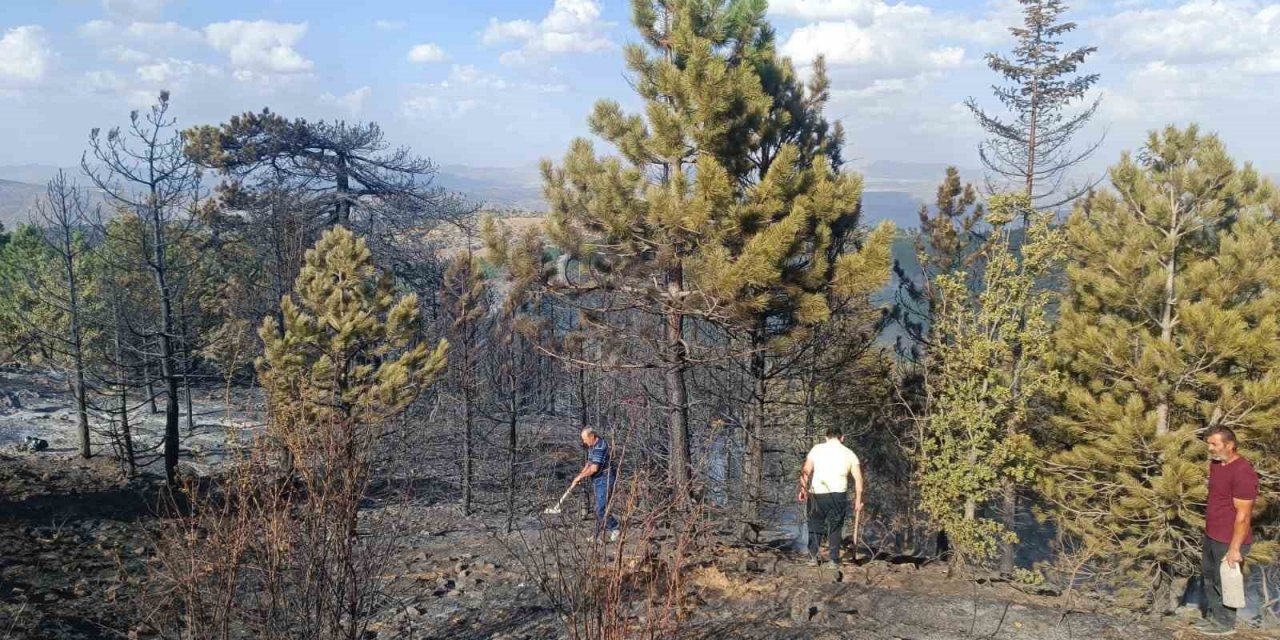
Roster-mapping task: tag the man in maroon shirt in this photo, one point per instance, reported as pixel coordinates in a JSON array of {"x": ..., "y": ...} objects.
[{"x": 1233, "y": 486}]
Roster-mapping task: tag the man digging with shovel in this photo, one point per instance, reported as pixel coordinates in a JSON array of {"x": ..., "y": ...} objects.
[
  {"x": 603, "y": 475},
  {"x": 824, "y": 488}
]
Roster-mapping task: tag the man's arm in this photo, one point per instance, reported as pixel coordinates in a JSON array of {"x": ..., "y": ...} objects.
[
  {"x": 806, "y": 472},
  {"x": 588, "y": 470},
  {"x": 1244, "y": 518}
]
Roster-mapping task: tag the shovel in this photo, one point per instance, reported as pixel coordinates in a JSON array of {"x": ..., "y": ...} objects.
[
  {"x": 556, "y": 509},
  {"x": 857, "y": 524}
]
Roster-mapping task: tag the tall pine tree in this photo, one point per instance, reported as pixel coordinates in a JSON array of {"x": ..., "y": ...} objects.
[
  {"x": 1169, "y": 329},
  {"x": 699, "y": 218},
  {"x": 1031, "y": 149}
]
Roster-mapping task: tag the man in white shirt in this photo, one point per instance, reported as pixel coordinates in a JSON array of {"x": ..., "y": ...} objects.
[{"x": 824, "y": 487}]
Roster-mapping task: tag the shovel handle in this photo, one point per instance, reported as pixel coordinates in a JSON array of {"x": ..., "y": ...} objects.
[
  {"x": 857, "y": 524},
  {"x": 564, "y": 495}
]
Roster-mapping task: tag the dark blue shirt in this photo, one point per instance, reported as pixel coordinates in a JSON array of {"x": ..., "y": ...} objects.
[{"x": 598, "y": 454}]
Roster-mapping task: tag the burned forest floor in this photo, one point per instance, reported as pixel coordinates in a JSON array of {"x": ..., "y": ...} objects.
[{"x": 77, "y": 542}]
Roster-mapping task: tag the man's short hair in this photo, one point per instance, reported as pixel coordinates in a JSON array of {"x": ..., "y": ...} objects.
[
  {"x": 835, "y": 432},
  {"x": 1227, "y": 435},
  {"x": 589, "y": 432}
]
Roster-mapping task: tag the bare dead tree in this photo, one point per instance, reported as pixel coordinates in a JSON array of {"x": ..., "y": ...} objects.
[
  {"x": 144, "y": 170},
  {"x": 62, "y": 215}
]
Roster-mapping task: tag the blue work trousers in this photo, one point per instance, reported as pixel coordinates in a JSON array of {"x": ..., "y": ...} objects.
[{"x": 603, "y": 486}]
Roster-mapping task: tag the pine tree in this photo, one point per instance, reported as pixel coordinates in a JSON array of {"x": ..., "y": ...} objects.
[
  {"x": 635, "y": 223},
  {"x": 350, "y": 165},
  {"x": 465, "y": 298},
  {"x": 49, "y": 274},
  {"x": 515, "y": 333},
  {"x": 778, "y": 316},
  {"x": 1168, "y": 330},
  {"x": 1031, "y": 150},
  {"x": 63, "y": 213},
  {"x": 145, "y": 171},
  {"x": 950, "y": 240},
  {"x": 345, "y": 359},
  {"x": 344, "y": 364},
  {"x": 698, "y": 218},
  {"x": 23, "y": 255},
  {"x": 986, "y": 368}
]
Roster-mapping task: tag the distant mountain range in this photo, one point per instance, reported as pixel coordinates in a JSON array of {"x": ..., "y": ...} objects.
[
  {"x": 16, "y": 200},
  {"x": 892, "y": 190}
]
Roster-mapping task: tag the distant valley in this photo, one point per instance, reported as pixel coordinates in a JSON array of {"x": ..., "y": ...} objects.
[{"x": 892, "y": 190}]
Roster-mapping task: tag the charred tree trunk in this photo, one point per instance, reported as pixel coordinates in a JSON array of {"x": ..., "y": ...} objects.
[
  {"x": 753, "y": 469},
  {"x": 513, "y": 408},
  {"x": 468, "y": 451},
  {"x": 342, "y": 208},
  {"x": 151, "y": 389},
  {"x": 77, "y": 349},
  {"x": 677, "y": 393}
]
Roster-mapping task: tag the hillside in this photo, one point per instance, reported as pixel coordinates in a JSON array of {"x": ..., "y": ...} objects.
[
  {"x": 16, "y": 199},
  {"x": 518, "y": 188}
]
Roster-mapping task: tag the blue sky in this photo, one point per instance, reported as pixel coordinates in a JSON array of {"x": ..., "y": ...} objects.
[{"x": 506, "y": 82}]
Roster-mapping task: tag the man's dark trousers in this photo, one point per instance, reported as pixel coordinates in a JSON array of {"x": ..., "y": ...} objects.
[
  {"x": 603, "y": 486},
  {"x": 827, "y": 513},
  {"x": 1210, "y": 567}
]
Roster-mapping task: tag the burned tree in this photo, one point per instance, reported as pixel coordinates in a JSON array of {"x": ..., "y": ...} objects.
[{"x": 144, "y": 171}]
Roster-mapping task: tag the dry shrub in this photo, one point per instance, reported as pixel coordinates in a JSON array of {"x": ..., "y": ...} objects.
[
  {"x": 262, "y": 554},
  {"x": 275, "y": 548},
  {"x": 633, "y": 588}
]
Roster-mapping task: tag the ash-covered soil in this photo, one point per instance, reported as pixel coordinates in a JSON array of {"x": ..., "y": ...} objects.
[{"x": 76, "y": 542}]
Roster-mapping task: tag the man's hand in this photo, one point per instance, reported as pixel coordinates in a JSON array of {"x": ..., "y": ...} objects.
[
  {"x": 802, "y": 496},
  {"x": 1233, "y": 558},
  {"x": 857, "y": 505}
]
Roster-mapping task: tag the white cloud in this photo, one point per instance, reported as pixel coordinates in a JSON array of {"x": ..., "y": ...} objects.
[
  {"x": 467, "y": 75},
  {"x": 1235, "y": 35},
  {"x": 259, "y": 49},
  {"x": 883, "y": 88},
  {"x": 352, "y": 103},
  {"x": 571, "y": 26},
  {"x": 389, "y": 25},
  {"x": 1189, "y": 61},
  {"x": 126, "y": 55},
  {"x": 138, "y": 37},
  {"x": 825, "y": 9},
  {"x": 103, "y": 81},
  {"x": 953, "y": 120},
  {"x": 887, "y": 49},
  {"x": 507, "y": 31},
  {"x": 134, "y": 9},
  {"x": 876, "y": 50},
  {"x": 1157, "y": 93},
  {"x": 163, "y": 74},
  {"x": 156, "y": 32},
  {"x": 25, "y": 57},
  {"x": 97, "y": 29},
  {"x": 548, "y": 88},
  {"x": 888, "y": 59},
  {"x": 425, "y": 53},
  {"x": 432, "y": 107}
]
